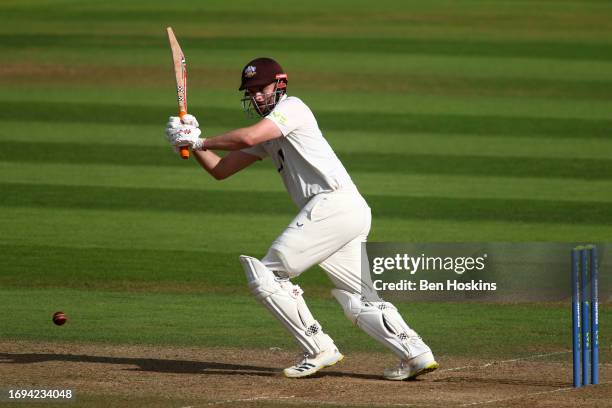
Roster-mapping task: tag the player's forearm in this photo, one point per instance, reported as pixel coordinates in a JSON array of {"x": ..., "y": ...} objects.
[
  {"x": 209, "y": 161},
  {"x": 236, "y": 139}
]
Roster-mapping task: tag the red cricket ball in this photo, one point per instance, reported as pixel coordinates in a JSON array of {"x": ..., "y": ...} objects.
[{"x": 59, "y": 318}]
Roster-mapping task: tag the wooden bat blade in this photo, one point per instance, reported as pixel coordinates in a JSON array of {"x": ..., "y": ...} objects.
[{"x": 180, "y": 74}]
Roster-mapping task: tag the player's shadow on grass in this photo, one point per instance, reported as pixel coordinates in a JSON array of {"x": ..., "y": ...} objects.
[{"x": 164, "y": 366}]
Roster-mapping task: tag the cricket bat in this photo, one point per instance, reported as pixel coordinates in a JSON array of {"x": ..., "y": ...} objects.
[{"x": 180, "y": 73}]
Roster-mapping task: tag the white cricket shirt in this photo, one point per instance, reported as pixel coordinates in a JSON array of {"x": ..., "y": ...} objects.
[{"x": 303, "y": 158}]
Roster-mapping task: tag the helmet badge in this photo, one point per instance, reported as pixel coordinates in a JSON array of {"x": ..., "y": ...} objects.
[{"x": 250, "y": 71}]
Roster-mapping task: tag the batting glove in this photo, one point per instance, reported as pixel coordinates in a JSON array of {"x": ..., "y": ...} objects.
[
  {"x": 190, "y": 120},
  {"x": 181, "y": 135}
]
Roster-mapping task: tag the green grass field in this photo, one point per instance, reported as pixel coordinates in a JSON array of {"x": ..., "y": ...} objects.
[
  {"x": 459, "y": 121},
  {"x": 214, "y": 320}
]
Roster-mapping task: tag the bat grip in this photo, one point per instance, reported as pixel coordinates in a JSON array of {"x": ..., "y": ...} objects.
[{"x": 184, "y": 151}]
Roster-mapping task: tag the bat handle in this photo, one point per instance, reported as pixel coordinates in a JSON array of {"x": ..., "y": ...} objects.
[{"x": 184, "y": 150}]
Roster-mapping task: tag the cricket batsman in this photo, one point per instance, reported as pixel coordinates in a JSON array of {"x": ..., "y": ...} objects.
[{"x": 332, "y": 222}]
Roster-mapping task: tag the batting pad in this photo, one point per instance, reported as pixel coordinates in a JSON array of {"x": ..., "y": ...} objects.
[
  {"x": 382, "y": 321},
  {"x": 284, "y": 300}
]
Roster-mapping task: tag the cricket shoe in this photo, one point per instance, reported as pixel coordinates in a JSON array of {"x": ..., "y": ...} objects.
[
  {"x": 311, "y": 364},
  {"x": 410, "y": 369}
]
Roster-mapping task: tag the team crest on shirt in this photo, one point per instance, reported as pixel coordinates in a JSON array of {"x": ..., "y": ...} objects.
[
  {"x": 250, "y": 71},
  {"x": 282, "y": 119}
]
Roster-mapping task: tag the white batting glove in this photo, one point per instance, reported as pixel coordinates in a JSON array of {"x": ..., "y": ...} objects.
[
  {"x": 173, "y": 121},
  {"x": 180, "y": 135},
  {"x": 192, "y": 140},
  {"x": 190, "y": 120}
]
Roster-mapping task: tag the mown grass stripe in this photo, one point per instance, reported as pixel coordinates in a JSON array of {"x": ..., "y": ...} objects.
[
  {"x": 133, "y": 269},
  {"x": 218, "y": 78},
  {"x": 439, "y": 84},
  {"x": 478, "y": 165},
  {"x": 121, "y": 268},
  {"x": 257, "y": 178},
  {"x": 398, "y": 163},
  {"x": 250, "y": 232},
  {"x": 596, "y": 51},
  {"x": 376, "y": 122},
  {"x": 205, "y": 102},
  {"x": 141, "y": 228},
  {"x": 181, "y": 201}
]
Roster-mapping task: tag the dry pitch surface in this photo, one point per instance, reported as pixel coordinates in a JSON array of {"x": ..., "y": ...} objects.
[{"x": 106, "y": 375}]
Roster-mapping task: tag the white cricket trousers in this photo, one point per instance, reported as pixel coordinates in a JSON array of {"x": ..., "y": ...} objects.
[{"x": 328, "y": 231}]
